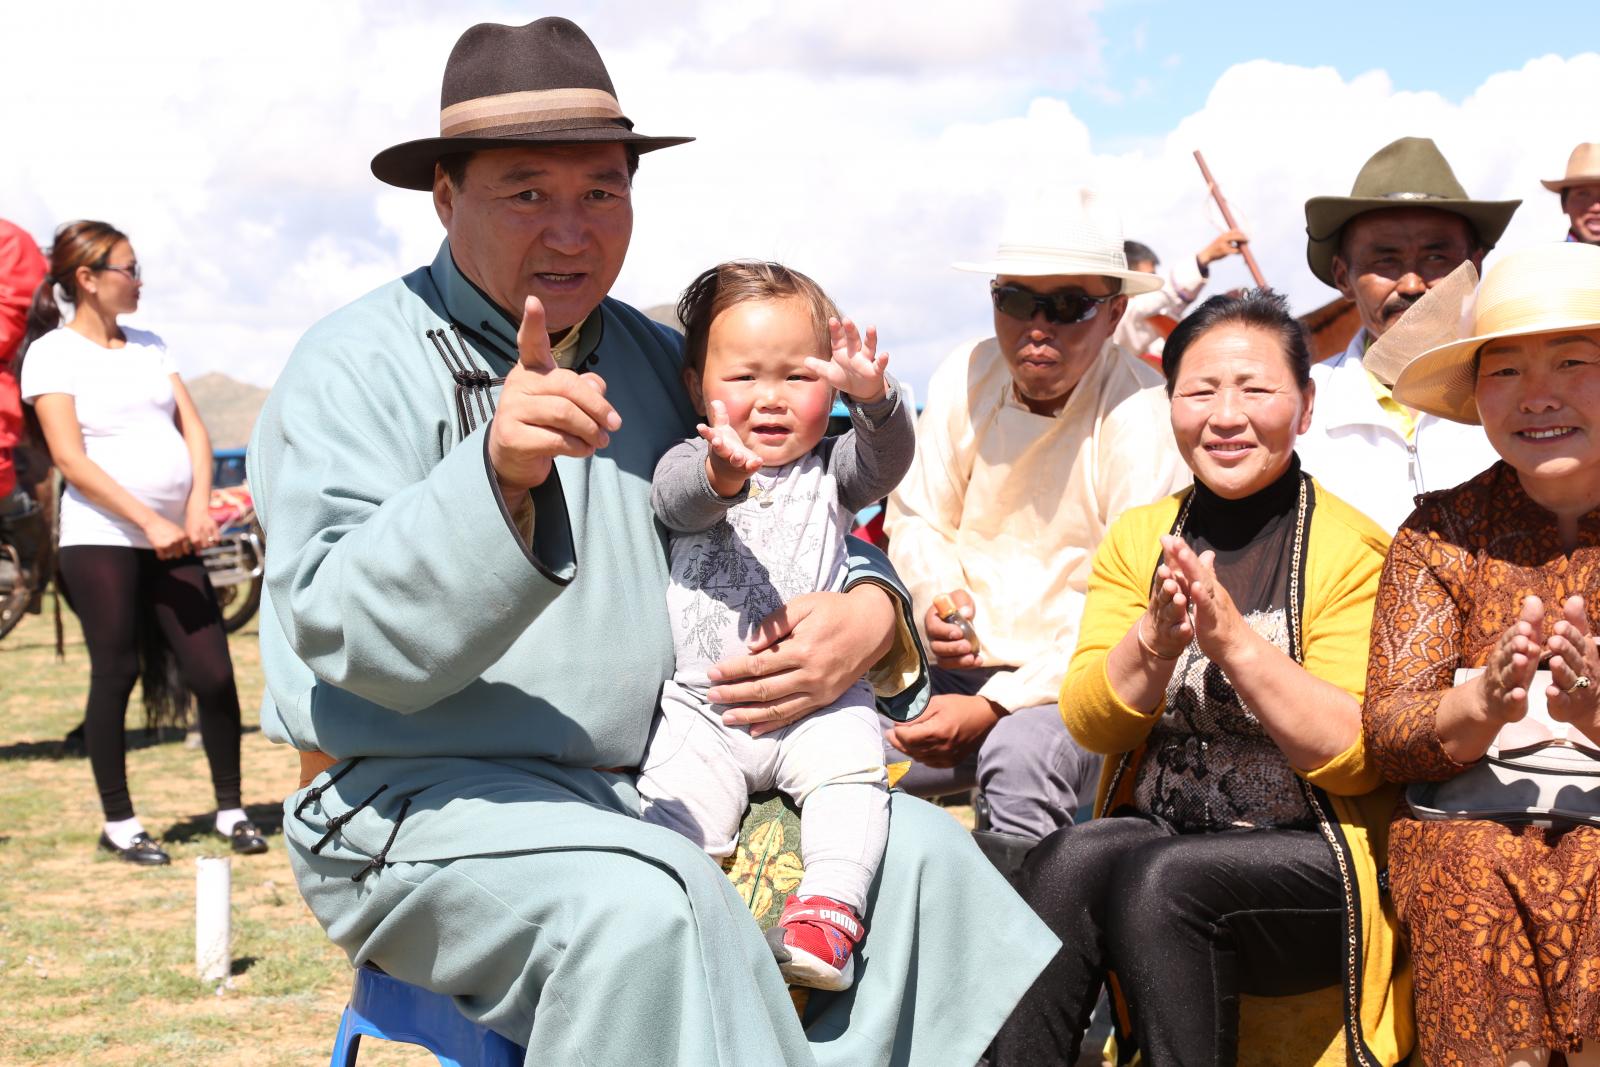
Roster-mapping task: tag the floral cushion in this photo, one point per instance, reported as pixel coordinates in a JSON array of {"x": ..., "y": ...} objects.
[{"x": 765, "y": 866}]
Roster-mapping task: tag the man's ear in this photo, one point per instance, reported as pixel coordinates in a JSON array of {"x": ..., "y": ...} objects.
[
  {"x": 1476, "y": 259},
  {"x": 444, "y": 193},
  {"x": 1310, "y": 393},
  {"x": 1116, "y": 309},
  {"x": 1341, "y": 277},
  {"x": 691, "y": 382}
]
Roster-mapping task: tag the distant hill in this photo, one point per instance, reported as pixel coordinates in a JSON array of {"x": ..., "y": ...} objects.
[{"x": 227, "y": 407}]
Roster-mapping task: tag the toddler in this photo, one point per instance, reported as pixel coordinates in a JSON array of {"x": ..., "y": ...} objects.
[{"x": 758, "y": 506}]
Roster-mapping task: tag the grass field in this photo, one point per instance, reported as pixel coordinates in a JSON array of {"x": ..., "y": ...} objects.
[{"x": 96, "y": 956}]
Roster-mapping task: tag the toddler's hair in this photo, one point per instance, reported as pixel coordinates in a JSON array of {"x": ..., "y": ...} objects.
[{"x": 737, "y": 282}]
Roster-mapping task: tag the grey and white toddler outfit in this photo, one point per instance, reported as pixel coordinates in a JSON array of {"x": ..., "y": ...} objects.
[{"x": 734, "y": 561}]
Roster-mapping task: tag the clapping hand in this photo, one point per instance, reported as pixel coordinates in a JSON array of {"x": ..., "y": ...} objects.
[
  {"x": 1166, "y": 628},
  {"x": 1575, "y": 670},
  {"x": 1218, "y": 625},
  {"x": 856, "y": 369},
  {"x": 729, "y": 462},
  {"x": 1512, "y": 661}
]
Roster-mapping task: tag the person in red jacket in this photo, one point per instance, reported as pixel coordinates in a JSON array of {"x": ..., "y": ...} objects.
[{"x": 22, "y": 267}]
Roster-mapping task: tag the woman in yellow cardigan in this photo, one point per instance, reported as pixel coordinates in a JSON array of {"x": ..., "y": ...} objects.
[{"x": 1220, "y": 666}]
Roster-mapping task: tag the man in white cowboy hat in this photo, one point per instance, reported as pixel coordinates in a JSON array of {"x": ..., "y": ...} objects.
[
  {"x": 1406, "y": 224},
  {"x": 1032, "y": 442},
  {"x": 465, "y": 633},
  {"x": 1580, "y": 193}
]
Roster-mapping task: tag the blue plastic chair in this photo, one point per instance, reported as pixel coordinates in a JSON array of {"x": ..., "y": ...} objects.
[{"x": 387, "y": 1008}]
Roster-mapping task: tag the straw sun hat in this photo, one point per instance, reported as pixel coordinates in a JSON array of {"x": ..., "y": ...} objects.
[
  {"x": 1063, "y": 231},
  {"x": 1583, "y": 168},
  {"x": 1545, "y": 289}
]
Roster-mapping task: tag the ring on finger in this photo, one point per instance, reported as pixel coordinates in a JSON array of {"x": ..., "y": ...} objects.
[{"x": 1582, "y": 683}]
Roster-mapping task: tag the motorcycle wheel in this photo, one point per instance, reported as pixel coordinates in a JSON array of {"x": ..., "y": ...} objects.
[
  {"x": 239, "y": 603},
  {"x": 16, "y": 592},
  {"x": 13, "y": 607}
]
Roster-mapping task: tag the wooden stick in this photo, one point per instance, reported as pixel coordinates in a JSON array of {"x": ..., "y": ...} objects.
[{"x": 1227, "y": 217}]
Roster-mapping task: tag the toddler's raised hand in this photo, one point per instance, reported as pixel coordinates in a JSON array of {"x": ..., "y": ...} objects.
[
  {"x": 729, "y": 462},
  {"x": 856, "y": 369}
]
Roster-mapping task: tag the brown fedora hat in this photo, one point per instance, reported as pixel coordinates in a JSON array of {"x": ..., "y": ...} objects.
[
  {"x": 505, "y": 86},
  {"x": 1583, "y": 168},
  {"x": 1410, "y": 172}
]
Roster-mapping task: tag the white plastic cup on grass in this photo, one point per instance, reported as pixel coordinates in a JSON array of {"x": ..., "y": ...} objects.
[{"x": 213, "y": 917}]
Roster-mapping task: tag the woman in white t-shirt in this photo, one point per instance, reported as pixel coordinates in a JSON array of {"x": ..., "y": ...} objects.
[{"x": 137, "y": 461}]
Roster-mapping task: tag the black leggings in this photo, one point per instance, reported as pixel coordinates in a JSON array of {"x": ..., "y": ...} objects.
[
  {"x": 1187, "y": 922},
  {"x": 114, "y": 591}
]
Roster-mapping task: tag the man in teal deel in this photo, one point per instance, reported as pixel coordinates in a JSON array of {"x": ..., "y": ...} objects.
[{"x": 465, "y": 635}]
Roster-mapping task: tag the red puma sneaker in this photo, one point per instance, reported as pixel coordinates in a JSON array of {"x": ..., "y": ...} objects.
[{"x": 815, "y": 942}]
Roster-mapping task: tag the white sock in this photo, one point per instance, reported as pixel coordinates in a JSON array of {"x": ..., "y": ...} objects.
[
  {"x": 227, "y": 820},
  {"x": 123, "y": 831}
]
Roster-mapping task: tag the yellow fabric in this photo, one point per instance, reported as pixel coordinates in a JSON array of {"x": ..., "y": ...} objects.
[
  {"x": 1399, "y": 415},
  {"x": 1345, "y": 553},
  {"x": 565, "y": 351},
  {"x": 900, "y": 667},
  {"x": 1402, "y": 418},
  {"x": 1009, "y": 505}
]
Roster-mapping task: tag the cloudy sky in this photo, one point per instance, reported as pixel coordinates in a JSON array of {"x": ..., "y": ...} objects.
[{"x": 869, "y": 144}]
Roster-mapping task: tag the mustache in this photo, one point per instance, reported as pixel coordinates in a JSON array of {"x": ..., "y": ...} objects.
[{"x": 1398, "y": 305}]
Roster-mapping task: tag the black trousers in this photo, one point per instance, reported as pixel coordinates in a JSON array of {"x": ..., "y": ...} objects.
[
  {"x": 1187, "y": 922},
  {"x": 114, "y": 589}
]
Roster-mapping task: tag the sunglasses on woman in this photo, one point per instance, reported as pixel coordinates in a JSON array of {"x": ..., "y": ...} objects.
[
  {"x": 131, "y": 269},
  {"x": 1063, "y": 307}
]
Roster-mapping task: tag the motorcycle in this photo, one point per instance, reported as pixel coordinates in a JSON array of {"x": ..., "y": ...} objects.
[
  {"x": 236, "y": 563},
  {"x": 19, "y": 533},
  {"x": 27, "y": 545}
]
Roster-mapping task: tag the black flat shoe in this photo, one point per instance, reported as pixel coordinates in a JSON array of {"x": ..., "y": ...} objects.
[
  {"x": 144, "y": 851},
  {"x": 247, "y": 840}
]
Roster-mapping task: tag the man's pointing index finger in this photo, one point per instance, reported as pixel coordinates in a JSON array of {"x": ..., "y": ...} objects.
[{"x": 533, "y": 342}]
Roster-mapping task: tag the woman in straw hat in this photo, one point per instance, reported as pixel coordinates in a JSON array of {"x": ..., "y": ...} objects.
[
  {"x": 1500, "y": 573},
  {"x": 1220, "y": 668}
]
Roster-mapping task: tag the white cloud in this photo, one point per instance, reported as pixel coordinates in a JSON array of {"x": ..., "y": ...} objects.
[{"x": 233, "y": 145}]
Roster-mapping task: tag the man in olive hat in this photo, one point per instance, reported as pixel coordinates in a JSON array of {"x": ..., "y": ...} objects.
[
  {"x": 1580, "y": 193},
  {"x": 1406, "y": 224},
  {"x": 465, "y": 634}
]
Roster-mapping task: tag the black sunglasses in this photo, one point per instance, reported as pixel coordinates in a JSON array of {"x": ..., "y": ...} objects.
[
  {"x": 131, "y": 270},
  {"x": 1064, "y": 307}
]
